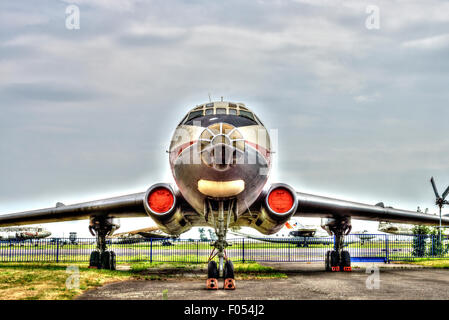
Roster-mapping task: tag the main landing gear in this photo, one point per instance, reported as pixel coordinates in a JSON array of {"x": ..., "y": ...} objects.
[
  {"x": 338, "y": 259},
  {"x": 102, "y": 258}
]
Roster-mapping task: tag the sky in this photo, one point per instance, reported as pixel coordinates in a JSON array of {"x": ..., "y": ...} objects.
[{"x": 355, "y": 91}]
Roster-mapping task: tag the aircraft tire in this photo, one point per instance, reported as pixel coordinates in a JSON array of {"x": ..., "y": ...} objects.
[
  {"x": 108, "y": 260},
  {"x": 94, "y": 260},
  {"x": 327, "y": 261},
  {"x": 345, "y": 259},
  {"x": 113, "y": 260},
  {"x": 212, "y": 270},
  {"x": 334, "y": 259},
  {"x": 228, "y": 270}
]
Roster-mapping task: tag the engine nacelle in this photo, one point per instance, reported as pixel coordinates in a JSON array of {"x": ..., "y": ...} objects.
[
  {"x": 160, "y": 203},
  {"x": 279, "y": 206}
]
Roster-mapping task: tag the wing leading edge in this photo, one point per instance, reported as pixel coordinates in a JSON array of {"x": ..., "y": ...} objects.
[
  {"x": 123, "y": 206},
  {"x": 318, "y": 206}
]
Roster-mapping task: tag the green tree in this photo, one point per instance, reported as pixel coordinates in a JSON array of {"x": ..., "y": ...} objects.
[
  {"x": 436, "y": 248},
  {"x": 203, "y": 236},
  {"x": 419, "y": 240}
]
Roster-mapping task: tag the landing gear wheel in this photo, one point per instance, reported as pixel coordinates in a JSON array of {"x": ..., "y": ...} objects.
[
  {"x": 345, "y": 263},
  {"x": 94, "y": 261},
  {"x": 335, "y": 261},
  {"x": 228, "y": 270},
  {"x": 327, "y": 261},
  {"x": 212, "y": 270},
  {"x": 212, "y": 276},
  {"x": 113, "y": 260},
  {"x": 228, "y": 275},
  {"x": 108, "y": 260}
]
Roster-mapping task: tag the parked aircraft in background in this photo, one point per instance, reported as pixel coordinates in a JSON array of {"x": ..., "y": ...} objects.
[
  {"x": 134, "y": 236},
  {"x": 364, "y": 236},
  {"x": 302, "y": 235},
  {"x": 395, "y": 228},
  {"x": 144, "y": 233},
  {"x": 220, "y": 156},
  {"x": 23, "y": 233}
]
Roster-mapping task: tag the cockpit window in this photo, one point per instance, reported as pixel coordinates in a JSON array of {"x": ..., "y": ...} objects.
[
  {"x": 258, "y": 120},
  {"x": 183, "y": 120},
  {"x": 220, "y": 111},
  {"x": 195, "y": 114},
  {"x": 247, "y": 114},
  {"x": 233, "y": 111},
  {"x": 209, "y": 111}
]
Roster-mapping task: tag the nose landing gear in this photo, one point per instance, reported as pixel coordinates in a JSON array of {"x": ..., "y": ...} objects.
[
  {"x": 225, "y": 268},
  {"x": 213, "y": 273}
]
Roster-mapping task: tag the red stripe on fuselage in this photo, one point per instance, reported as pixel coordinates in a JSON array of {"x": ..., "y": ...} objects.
[
  {"x": 263, "y": 151},
  {"x": 182, "y": 147}
]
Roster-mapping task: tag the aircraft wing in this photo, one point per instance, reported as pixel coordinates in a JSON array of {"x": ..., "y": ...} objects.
[
  {"x": 123, "y": 206},
  {"x": 317, "y": 206}
]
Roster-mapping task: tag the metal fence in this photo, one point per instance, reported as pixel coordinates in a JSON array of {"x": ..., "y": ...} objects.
[{"x": 364, "y": 247}]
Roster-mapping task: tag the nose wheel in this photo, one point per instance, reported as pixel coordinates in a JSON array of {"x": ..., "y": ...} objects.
[
  {"x": 228, "y": 275},
  {"x": 213, "y": 276}
]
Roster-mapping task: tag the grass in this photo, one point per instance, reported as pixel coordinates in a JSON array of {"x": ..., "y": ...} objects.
[
  {"x": 31, "y": 281},
  {"x": 47, "y": 281},
  {"x": 442, "y": 263}
]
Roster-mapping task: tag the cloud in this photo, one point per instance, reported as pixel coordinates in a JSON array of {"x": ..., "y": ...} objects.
[
  {"x": 50, "y": 92},
  {"x": 435, "y": 42},
  {"x": 90, "y": 112}
]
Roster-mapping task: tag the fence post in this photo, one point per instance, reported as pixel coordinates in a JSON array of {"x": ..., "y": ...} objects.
[
  {"x": 387, "y": 259},
  {"x": 151, "y": 250},
  {"x": 243, "y": 250},
  {"x": 57, "y": 250}
]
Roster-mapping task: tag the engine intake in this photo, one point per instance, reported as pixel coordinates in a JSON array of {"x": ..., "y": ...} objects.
[
  {"x": 160, "y": 204},
  {"x": 279, "y": 206}
]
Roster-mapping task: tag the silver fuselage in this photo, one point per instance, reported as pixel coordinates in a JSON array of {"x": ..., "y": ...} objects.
[{"x": 220, "y": 155}]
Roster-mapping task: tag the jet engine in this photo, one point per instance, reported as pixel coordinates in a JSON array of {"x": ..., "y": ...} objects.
[
  {"x": 161, "y": 205},
  {"x": 278, "y": 207}
]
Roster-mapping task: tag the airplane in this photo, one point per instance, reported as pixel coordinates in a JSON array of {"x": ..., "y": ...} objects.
[
  {"x": 220, "y": 156},
  {"x": 289, "y": 237},
  {"x": 144, "y": 233},
  {"x": 301, "y": 235},
  {"x": 395, "y": 228},
  {"x": 135, "y": 236},
  {"x": 364, "y": 236},
  {"x": 23, "y": 233}
]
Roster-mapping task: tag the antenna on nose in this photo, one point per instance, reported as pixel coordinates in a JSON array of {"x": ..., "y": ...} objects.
[{"x": 210, "y": 100}]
